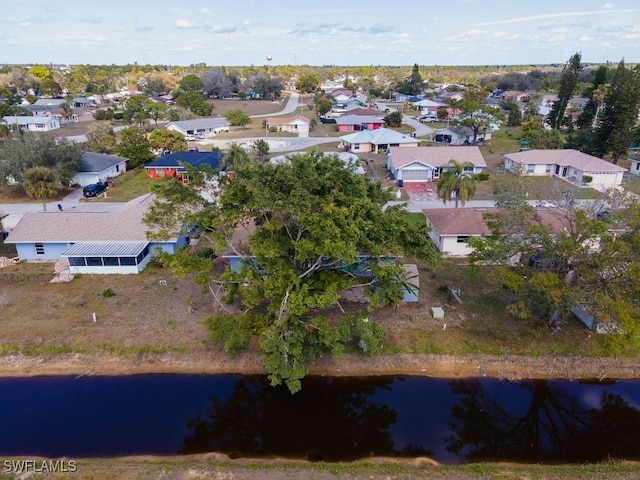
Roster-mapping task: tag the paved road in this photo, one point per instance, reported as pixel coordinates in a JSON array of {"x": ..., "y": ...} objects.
[{"x": 290, "y": 107}]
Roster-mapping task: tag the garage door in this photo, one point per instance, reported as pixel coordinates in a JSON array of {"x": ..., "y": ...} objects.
[{"x": 415, "y": 175}]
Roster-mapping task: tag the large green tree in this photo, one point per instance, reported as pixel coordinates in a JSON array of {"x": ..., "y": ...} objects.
[
  {"x": 308, "y": 83},
  {"x": 195, "y": 102},
  {"x": 568, "y": 85},
  {"x": 26, "y": 151},
  {"x": 616, "y": 130},
  {"x": 237, "y": 118},
  {"x": 100, "y": 137},
  {"x": 588, "y": 260},
  {"x": 312, "y": 229},
  {"x": 167, "y": 141},
  {"x": 135, "y": 146},
  {"x": 456, "y": 180},
  {"x": 40, "y": 183},
  {"x": 474, "y": 115}
]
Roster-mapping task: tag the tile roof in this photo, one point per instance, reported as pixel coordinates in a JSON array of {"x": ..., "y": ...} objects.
[
  {"x": 436, "y": 156},
  {"x": 564, "y": 158},
  {"x": 122, "y": 225}
]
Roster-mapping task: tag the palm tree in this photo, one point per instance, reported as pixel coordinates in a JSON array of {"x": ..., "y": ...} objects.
[
  {"x": 261, "y": 148},
  {"x": 40, "y": 182},
  {"x": 66, "y": 110},
  {"x": 454, "y": 181}
]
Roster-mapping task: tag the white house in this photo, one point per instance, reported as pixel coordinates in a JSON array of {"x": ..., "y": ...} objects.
[
  {"x": 205, "y": 126},
  {"x": 33, "y": 124},
  {"x": 451, "y": 228},
  {"x": 570, "y": 165},
  {"x": 376, "y": 140},
  {"x": 296, "y": 124},
  {"x": 99, "y": 167},
  {"x": 424, "y": 164},
  {"x": 635, "y": 166}
]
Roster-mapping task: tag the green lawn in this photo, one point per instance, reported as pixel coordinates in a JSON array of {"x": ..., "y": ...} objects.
[{"x": 128, "y": 186}]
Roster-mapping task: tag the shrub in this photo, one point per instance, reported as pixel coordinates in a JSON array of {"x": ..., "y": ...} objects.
[
  {"x": 481, "y": 176},
  {"x": 107, "y": 292}
]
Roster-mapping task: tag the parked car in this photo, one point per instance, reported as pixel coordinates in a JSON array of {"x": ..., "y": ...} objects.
[{"x": 94, "y": 189}]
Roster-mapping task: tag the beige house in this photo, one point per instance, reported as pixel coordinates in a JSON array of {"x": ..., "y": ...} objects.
[
  {"x": 377, "y": 141},
  {"x": 424, "y": 164},
  {"x": 570, "y": 165}
]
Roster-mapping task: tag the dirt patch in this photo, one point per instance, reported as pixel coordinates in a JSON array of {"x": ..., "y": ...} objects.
[{"x": 153, "y": 323}]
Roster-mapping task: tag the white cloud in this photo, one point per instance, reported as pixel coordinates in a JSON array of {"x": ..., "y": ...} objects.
[
  {"x": 204, "y": 10},
  {"x": 609, "y": 5},
  {"x": 24, "y": 24},
  {"x": 587, "y": 38},
  {"x": 183, "y": 23}
]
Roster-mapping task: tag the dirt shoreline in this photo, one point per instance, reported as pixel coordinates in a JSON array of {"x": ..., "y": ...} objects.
[{"x": 510, "y": 367}]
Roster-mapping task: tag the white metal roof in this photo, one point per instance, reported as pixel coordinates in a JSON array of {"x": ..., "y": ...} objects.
[{"x": 105, "y": 249}]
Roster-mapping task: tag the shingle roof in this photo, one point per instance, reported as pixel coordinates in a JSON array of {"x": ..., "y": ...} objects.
[
  {"x": 98, "y": 162},
  {"x": 123, "y": 225},
  {"x": 564, "y": 158},
  {"x": 436, "y": 156},
  {"x": 195, "y": 159},
  {"x": 285, "y": 120},
  {"x": 470, "y": 221}
]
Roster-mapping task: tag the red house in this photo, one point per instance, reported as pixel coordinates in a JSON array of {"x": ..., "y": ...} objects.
[
  {"x": 173, "y": 165},
  {"x": 355, "y": 123}
]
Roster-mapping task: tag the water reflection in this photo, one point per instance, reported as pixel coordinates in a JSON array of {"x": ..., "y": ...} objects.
[
  {"x": 452, "y": 421},
  {"x": 548, "y": 423},
  {"x": 330, "y": 419}
]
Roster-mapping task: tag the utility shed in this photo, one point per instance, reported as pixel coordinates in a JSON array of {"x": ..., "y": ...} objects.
[{"x": 437, "y": 312}]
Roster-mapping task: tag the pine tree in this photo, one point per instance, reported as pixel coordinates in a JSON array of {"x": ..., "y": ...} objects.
[
  {"x": 615, "y": 133},
  {"x": 568, "y": 84}
]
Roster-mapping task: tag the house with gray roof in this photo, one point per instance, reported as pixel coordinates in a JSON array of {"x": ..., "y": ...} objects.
[
  {"x": 208, "y": 126},
  {"x": 377, "y": 140},
  {"x": 571, "y": 165},
  {"x": 28, "y": 123},
  {"x": 92, "y": 242},
  {"x": 459, "y": 136},
  {"x": 99, "y": 167}
]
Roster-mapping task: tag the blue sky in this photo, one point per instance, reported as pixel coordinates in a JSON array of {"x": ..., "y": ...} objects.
[{"x": 347, "y": 32}]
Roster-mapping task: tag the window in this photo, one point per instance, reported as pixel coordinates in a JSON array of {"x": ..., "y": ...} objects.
[
  {"x": 39, "y": 248},
  {"x": 127, "y": 261},
  {"x": 160, "y": 172},
  {"x": 468, "y": 169},
  {"x": 94, "y": 261},
  {"x": 356, "y": 146},
  {"x": 530, "y": 168},
  {"x": 110, "y": 261},
  {"x": 117, "y": 168},
  {"x": 462, "y": 238},
  {"x": 76, "y": 261},
  {"x": 547, "y": 169}
]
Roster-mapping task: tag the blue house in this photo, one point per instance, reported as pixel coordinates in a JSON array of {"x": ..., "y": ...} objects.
[{"x": 93, "y": 242}]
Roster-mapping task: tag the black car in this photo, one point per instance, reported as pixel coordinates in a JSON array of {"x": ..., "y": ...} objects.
[{"x": 94, "y": 189}]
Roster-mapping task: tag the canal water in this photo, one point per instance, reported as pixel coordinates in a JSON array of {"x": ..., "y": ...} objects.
[{"x": 331, "y": 419}]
